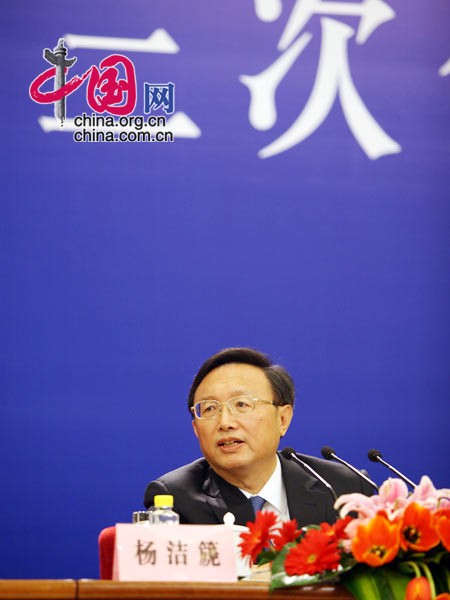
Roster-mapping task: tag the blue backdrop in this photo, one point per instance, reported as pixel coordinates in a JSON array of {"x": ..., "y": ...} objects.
[{"x": 124, "y": 265}]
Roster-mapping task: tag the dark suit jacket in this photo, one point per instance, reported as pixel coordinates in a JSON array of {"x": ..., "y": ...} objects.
[{"x": 202, "y": 497}]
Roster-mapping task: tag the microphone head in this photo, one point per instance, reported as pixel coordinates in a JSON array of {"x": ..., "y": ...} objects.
[
  {"x": 374, "y": 455},
  {"x": 287, "y": 453},
  {"x": 327, "y": 452}
]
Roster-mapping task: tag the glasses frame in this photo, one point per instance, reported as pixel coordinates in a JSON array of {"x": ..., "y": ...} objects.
[{"x": 230, "y": 407}]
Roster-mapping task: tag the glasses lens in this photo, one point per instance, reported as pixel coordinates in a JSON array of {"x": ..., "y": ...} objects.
[
  {"x": 242, "y": 405},
  {"x": 206, "y": 409}
]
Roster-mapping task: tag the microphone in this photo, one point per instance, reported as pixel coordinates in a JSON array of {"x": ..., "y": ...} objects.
[
  {"x": 290, "y": 454},
  {"x": 375, "y": 456},
  {"x": 330, "y": 454}
]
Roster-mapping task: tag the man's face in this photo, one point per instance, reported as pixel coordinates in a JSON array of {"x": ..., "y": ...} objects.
[{"x": 241, "y": 446}]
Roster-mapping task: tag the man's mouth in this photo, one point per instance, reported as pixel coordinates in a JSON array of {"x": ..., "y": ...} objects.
[{"x": 229, "y": 443}]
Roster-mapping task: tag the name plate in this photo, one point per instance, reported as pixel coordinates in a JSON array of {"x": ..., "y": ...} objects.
[{"x": 174, "y": 553}]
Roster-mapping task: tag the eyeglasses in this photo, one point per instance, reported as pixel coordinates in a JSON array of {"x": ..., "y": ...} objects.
[{"x": 241, "y": 405}]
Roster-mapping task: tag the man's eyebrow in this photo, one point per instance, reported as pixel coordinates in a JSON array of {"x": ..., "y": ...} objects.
[{"x": 240, "y": 392}]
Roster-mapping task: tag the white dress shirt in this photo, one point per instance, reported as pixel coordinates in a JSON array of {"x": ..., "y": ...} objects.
[{"x": 274, "y": 494}]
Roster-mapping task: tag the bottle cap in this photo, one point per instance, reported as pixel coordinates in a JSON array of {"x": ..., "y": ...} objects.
[{"x": 163, "y": 500}]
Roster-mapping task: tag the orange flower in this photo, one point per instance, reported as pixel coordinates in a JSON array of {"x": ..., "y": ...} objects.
[
  {"x": 288, "y": 532},
  {"x": 417, "y": 529},
  {"x": 442, "y": 525},
  {"x": 377, "y": 542},
  {"x": 258, "y": 537},
  {"x": 316, "y": 552},
  {"x": 418, "y": 589}
]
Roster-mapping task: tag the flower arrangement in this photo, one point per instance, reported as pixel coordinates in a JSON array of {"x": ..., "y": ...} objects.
[{"x": 391, "y": 546}]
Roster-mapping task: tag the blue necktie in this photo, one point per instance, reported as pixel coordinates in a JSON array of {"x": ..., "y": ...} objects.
[{"x": 257, "y": 503}]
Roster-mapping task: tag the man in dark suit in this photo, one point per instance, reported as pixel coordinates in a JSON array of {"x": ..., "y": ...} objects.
[{"x": 242, "y": 404}]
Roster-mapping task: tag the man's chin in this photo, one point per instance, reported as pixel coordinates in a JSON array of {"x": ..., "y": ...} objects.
[{"x": 230, "y": 465}]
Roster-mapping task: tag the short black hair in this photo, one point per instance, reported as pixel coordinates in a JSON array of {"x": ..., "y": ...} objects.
[{"x": 279, "y": 379}]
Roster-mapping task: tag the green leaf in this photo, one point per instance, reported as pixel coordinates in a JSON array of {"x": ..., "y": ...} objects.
[
  {"x": 392, "y": 582},
  {"x": 437, "y": 557},
  {"x": 278, "y": 564},
  {"x": 266, "y": 556},
  {"x": 280, "y": 579},
  {"x": 362, "y": 585},
  {"x": 367, "y": 583},
  {"x": 441, "y": 578},
  {"x": 410, "y": 567}
]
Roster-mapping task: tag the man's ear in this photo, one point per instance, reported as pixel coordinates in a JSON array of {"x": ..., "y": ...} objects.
[
  {"x": 194, "y": 425},
  {"x": 285, "y": 414}
]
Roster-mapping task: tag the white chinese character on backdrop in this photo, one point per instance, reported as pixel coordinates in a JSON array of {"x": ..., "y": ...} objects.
[
  {"x": 333, "y": 74},
  {"x": 444, "y": 70}
]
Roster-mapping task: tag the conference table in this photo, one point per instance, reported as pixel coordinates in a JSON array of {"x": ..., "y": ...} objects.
[{"x": 93, "y": 589}]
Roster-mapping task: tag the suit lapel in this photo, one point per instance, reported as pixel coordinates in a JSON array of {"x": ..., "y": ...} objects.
[
  {"x": 308, "y": 501},
  {"x": 222, "y": 497}
]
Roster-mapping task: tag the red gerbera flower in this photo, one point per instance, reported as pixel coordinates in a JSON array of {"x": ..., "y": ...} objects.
[
  {"x": 258, "y": 537},
  {"x": 315, "y": 553},
  {"x": 337, "y": 529},
  {"x": 288, "y": 532},
  {"x": 340, "y": 527}
]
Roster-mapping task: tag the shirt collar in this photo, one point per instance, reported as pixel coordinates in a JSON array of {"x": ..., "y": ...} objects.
[{"x": 274, "y": 493}]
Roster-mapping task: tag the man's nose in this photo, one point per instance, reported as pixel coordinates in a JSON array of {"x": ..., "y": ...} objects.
[{"x": 227, "y": 419}]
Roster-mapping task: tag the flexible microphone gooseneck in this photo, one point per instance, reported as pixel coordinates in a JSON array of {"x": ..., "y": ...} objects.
[
  {"x": 375, "y": 456},
  {"x": 291, "y": 455},
  {"x": 330, "y": 454}
]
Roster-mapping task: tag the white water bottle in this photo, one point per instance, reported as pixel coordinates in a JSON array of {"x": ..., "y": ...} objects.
[{"x": 163, "y": 513}]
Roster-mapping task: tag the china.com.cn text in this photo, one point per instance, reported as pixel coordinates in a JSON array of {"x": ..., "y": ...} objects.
[{"x": 131, "y": 128}]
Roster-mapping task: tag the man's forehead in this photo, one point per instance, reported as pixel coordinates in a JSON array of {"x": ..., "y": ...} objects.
[{"x": 234, "y": 378}]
